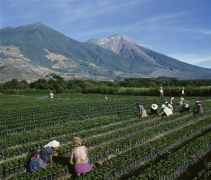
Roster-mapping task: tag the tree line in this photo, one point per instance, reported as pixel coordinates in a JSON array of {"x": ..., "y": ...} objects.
[{"x": 59, "y": 85}]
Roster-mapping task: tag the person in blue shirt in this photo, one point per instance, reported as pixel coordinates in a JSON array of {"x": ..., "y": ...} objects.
[{"x": 44, "y": 157}]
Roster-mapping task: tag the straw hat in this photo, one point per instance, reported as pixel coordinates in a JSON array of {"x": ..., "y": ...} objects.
[
  {"x": 197, "y": 102},
  {"x": 182, "y": 98},
  {"x": 163, "y": 106},
  {"x": 172, "y": 98},
  {"x": 160, "y": 87},
  {"x": 186, "y": 105},
  {"x": 154, "y": 106},
  {"x": 166, "y": 102}
]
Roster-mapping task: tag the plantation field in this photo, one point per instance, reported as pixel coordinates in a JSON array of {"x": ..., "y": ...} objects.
[{"x": 121, "y": 144}]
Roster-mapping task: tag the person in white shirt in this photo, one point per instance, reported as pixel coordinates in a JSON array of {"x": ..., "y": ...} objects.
[
  {"x": 166, "y": 111},
  {"x": 169, "y": 105},
  {"x": 51, "y": 95},
  {"x": 183, "y": 92}
]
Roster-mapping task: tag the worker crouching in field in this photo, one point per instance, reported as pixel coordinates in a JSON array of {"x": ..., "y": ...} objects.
[
  {"x": 181, "y": 101},
  {"x": 185, "y": 108},
  {"x": 198, "y": 108},
  {"x": 171, "y": 101},
  {"x": 169, "y": 105},
  {"x": 154, "y": 109},
  {"x": 166, "y": 111},
  {"x": 142, "y": 111},
  {"x": 44, "y": 157},
  {"x": 79, "y": 157}
]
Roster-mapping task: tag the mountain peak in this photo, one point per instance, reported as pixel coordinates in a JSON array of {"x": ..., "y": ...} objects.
[
  {"x": 115, "y": 43},
  {"x": 38, "y": 24},
  {"x": 34, "y": 24}
]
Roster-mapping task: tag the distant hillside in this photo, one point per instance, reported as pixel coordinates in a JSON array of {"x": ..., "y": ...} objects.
[
  {"x": 153, "y": 63},
  {"x": 204, "y": 64},
  {"x": 39, "y": 51},
  {"x": 43, "y": 46}
]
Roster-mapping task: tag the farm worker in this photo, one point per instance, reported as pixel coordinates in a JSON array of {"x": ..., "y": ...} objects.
[
  {"x": 171, "y": 101},
  {"x": 142, "y": 111},
  {"x": 51, "y": 95},
  {"x": 161, "y": 93},
  {"x": 166, "y": 111},
  {"x": 169, "y": 105},
  {"x": 185, "y": 108},
  {"x": 183, "y": 92},
  {"x": 44, "y": 157},
  {"x": 79, "y": 157},
  {"x": 181, "y": 101},
  {"x": 198, "y": 108},
  {"x": 154, "y": 109}
]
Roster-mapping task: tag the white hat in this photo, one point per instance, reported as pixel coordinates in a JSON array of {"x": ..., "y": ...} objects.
[
  {"x": 186, "y": 105},
  {"x": 172, "y": 98},
  {"x": 160, "y": 87},
  {"x": 166, "y": 102},
  {"x": 163, "y": 106},
  {"x": 197, "y": 102},
  {"x": 53, "y": 143},
  {"x": 154, "y": 106},
  {"x": 182, "y": 98}
]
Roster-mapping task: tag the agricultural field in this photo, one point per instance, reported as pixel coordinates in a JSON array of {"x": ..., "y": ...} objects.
[{"x": 122, "y": 146}]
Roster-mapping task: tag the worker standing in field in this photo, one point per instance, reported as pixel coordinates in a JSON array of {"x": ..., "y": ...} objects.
[
  {"x": 142, "y": 111},
  {"x": 44, "y": 157},
  {"x": 166, "y": 111},
  {"x": 79, "y": 157},
  {"x": 183, "y": 92},
  {"x": 198, "y": 108},
  {"x": 51, "y": 95},
  {"x": 161, "y": 93}
]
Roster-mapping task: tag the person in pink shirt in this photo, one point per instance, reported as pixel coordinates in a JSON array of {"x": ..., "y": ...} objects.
[{"x": 79, "y": 157}]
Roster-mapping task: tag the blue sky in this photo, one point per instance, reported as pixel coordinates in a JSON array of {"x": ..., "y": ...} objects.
[{"x": 177, "y": 28}]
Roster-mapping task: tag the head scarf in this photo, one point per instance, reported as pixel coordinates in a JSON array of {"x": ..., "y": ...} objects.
[
  {"x": 77, "y": 140},
  {"x": 53, "y": 143}
]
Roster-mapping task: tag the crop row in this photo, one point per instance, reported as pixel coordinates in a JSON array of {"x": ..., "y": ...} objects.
[
  {"x": 127, "y": 126},
  {"x": 205, "y": 173},
  {"x": 67, "y": 148},
  {"x": 71, "y": 113},
  {"x": 173, "y": 164},
  {"x": 50, "y": 121},
  {"x": 190, "y": 131},
  {"x": 59, "y": 130},
  {"x": 127, "y": 161}
]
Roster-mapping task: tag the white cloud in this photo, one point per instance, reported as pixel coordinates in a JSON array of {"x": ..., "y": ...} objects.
[
  {"x": 190, "y": 58},
  {"x": 85, "y": 9}
]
